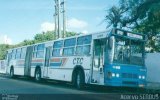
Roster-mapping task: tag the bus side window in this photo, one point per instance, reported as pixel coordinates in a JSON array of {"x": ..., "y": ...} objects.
[
  {"x": 40, "y": 51},
  {"x": 40, "y": 47},
  {"x": 57, "y": 48},
  {"x": 86, "y": 49},
  {"x": 14, "y": 54},
  {"x": 83, "y": 45},
  {"x": 23, "y": 52},
  {"x": 68, "y": 51},
  {"x": 79, "y": 50},
  {"x": 34, "y": 54},
  {"x": 69, "y": 46},
  {"x": 18, "y": 53},
  {"x": 40, "y": 54},
  {"x": 70, "y": 42}
]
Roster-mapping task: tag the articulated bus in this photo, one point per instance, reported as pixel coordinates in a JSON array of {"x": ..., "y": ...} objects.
[{"x": 108, "y": 58}]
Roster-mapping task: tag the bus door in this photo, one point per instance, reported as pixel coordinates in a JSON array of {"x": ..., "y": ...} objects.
[
  {"x": 8, "y": 58},
  {"x": 28, "y": 60},
  {"x": 47, "y": 61},
  {"x": 98, "y": 61}
]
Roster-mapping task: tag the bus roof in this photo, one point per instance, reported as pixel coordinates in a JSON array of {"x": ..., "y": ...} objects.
[{"x": 79, "y": 35}]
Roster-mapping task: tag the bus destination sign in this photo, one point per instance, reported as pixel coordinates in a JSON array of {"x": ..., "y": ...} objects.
[{"x": 131, "y": 35}]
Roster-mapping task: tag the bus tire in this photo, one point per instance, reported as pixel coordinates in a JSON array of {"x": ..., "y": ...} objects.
[
  {"x": 11, "y": 72},
  {"x": 37, "y": 75},
  {"x": 79, "y": 80}
]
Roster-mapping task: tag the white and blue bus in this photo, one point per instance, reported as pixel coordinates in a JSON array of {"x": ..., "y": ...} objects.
[{"x": 109, "y": 58}]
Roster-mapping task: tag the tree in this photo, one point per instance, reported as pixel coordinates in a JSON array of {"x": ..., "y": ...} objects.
[
  {"x": 114, "y": 16},
  {"x": 151, "y": 26},
  {"x": 41, "y": 37},
  {"x": 136, "y": 11},
  {"x": 138, "y": 15},
  {"x": 3, "y": 50},
  {"x": 45, "y": 36},
  {"x": 68, "y": 34},
  {"x": 50, "y": 35},
  {"x": 26, "y": 42}
]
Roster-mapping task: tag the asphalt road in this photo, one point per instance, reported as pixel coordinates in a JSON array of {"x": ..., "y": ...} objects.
[
  {"x": 28, "y": 86},
  {"x": 26, "y": 89}
]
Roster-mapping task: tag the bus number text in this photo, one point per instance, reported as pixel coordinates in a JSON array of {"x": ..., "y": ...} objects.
[{"x": 78, "y": 61}]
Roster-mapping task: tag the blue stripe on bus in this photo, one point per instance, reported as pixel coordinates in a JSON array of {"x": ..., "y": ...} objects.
[
  {"x": 51, "y": 64},
  {"x": 55, "y": 64},
  {"x": 35, "y": 64}
]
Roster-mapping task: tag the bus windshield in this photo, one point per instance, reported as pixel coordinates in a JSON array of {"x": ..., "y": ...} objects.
[{"x": 128, "y": 51}]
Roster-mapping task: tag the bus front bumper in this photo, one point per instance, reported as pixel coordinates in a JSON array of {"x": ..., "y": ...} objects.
[{"x": 126, "y": 83}]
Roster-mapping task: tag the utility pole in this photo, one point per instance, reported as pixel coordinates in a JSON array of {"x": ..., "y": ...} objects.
[
  {"x": 55, "y": 18},
  {"x": 59, "y": 4},
  {"x": 59, "y": 26},
  {"x": 64, "y": 18}
]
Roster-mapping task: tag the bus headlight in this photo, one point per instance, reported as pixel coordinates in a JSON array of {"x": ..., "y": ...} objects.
[
  {"x": 113, "y": 74},
  {"x": 143, "y": 77},
  {"x": 140, "y": 77},
  {"x": 117, "y": 67},
  {"x": 117, "y": 75}
]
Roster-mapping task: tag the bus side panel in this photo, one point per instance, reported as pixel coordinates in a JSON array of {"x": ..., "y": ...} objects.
[
  {"x": 32, "y": 71},
  {"x": 64, "y": 70},
  {"x": 34, "y": 63}
]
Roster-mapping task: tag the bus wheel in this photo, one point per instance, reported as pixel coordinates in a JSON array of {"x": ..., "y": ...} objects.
[
  {"x": 37, "y": 75},
  {"x": 79, "y": 80},
  {"x": 12, "y": 73}
]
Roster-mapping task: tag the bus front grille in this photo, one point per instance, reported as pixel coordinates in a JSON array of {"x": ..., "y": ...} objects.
[
  {"x": 130, "y": 83},
  {"x": 129, "y": 75}
]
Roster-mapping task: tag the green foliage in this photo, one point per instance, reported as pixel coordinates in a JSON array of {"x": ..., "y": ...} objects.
[
  {"x": 3, "y": 50},
  {"x": 114, "y": 16},
  {"x": 141, "y": 16},
  {"x": 41, "y": 37},
  {"x": 26, "y": 42},
  {"x": 68, "y": 34},
  {"x": 44, "y": 37}
]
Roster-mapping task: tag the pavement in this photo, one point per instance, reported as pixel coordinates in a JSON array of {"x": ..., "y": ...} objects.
[
  {"x": 23, "y": 88},
  {"x": 26, "y": 89}
]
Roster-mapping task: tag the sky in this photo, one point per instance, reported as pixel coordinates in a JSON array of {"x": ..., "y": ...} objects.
[{"x": 22, "y": 19}]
